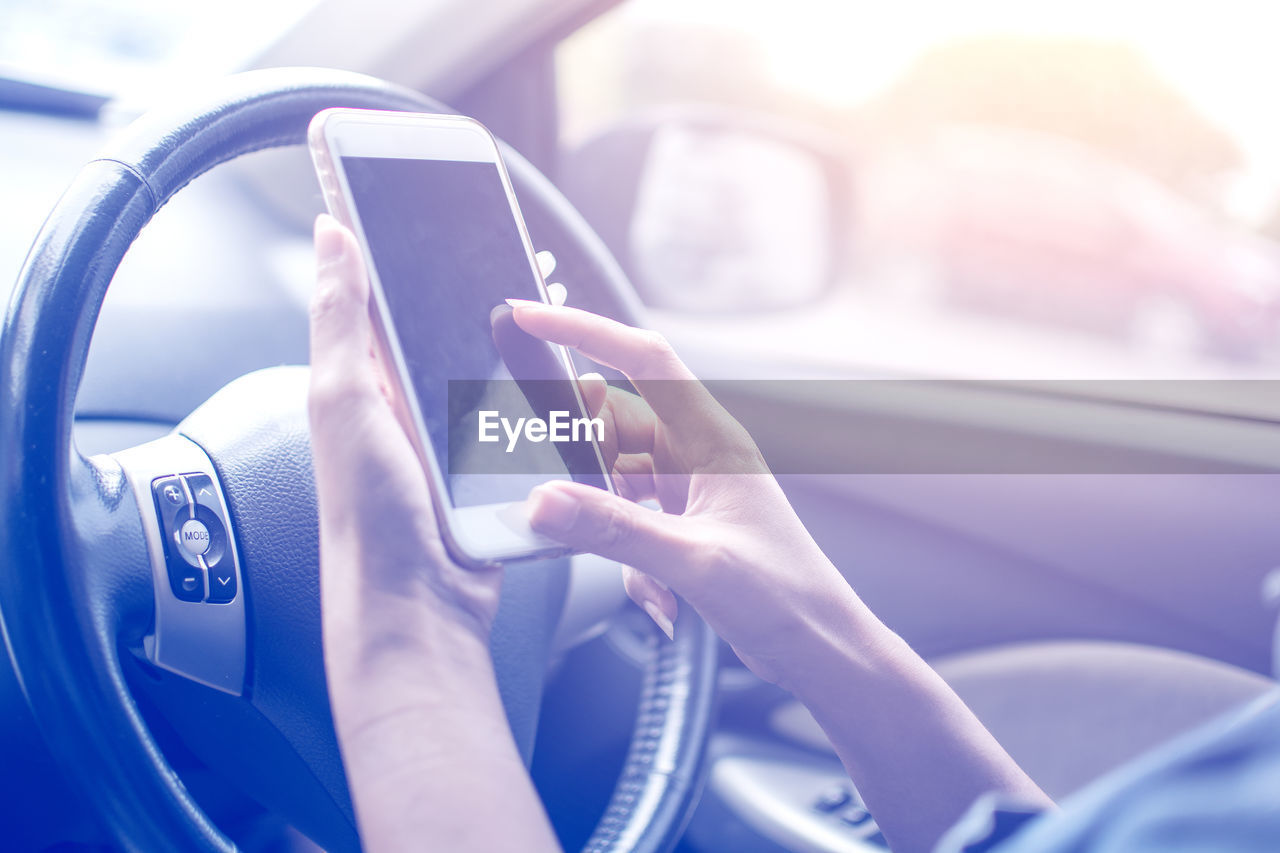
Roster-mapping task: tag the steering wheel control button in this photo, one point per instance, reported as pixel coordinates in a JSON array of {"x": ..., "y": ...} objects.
[
  {"x": 203, "y": 491},
  {"x": 171, "y": 498},
  {"x": 219, "y": 560},
  {"x": 217, "y": 549},
  {"x": 187, "y": 581},
  {"x": 197, "y": 548},
  {"x": 193, "y": 537},
  {"x": 222, "y": 582},
  {"x": 186, "y": 578},
  {"x": 188, "y": 585},
  {"x": 197, "y": 630}
]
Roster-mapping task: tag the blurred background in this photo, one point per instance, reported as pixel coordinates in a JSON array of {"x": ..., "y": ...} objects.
[
  {"x": 1058, "y": 190},
  {"x": 986, "y": 189}
]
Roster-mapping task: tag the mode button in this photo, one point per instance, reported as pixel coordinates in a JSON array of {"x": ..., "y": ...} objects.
[{"x": 193, "y": 537}]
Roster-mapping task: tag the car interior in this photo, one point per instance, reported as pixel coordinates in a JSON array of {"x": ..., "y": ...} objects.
[{"x": 1044, "y": 450}]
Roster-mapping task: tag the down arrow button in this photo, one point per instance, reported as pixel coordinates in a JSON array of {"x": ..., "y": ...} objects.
[{"x": 222, "y": 580}]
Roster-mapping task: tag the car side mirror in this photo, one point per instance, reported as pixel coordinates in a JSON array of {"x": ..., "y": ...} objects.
[{"x": 718, "y": 211}]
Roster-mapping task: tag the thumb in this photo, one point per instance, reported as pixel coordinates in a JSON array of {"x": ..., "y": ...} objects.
[
  {"x": 591, "y": 519},
  {"x": 341, "y": 332}
]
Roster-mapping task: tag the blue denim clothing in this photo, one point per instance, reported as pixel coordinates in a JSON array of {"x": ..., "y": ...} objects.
[{"x": 1216, "y": 788}]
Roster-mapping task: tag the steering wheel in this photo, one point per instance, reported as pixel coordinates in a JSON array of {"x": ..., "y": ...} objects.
[{"x": 97, "y": 604}]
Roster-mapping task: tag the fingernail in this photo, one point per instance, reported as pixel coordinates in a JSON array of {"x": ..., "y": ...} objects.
[
  {"x": 661, "y": 619},
  {"x": 328, "y": 236},
  {"x": 551, "y": 511},
  {"x": 516, "y": 303}
]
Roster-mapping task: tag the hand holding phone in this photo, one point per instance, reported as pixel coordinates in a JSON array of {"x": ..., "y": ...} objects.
[{"x": 433, "y": 209}]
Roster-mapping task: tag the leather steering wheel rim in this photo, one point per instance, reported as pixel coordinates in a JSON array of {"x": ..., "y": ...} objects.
[{"x": 73, "y": 581}]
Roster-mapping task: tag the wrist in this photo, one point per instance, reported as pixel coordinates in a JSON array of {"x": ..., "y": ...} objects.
[
  {"x": 397, "y": 632},
  {"x": 838, "y": 644},
  {"x": 382, "y": 676},
  {"x": 391, "y": 597}
]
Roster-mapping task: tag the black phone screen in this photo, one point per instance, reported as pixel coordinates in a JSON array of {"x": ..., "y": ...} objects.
[{"x": 447, "y": 254}]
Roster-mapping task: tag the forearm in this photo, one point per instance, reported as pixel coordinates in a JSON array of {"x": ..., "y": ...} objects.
[
  {"x": 424, "y": 736},
  {"x": 917, "y": 754},
  {"x": 423, "y": 733}
]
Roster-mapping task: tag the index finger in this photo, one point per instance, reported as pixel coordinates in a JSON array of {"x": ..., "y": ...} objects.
[
  {"x": 638, "y": 353},
  {"x": 644, "y": 357}
]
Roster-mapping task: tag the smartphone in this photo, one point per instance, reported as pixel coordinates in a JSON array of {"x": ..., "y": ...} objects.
[{"x": 431, "y": 204}]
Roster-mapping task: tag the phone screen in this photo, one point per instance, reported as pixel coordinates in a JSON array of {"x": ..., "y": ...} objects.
[{"x": 447, "y": 253}]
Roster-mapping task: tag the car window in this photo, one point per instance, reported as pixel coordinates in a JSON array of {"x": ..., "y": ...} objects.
[
  {"x": 1064, "y": 193},
  {"x": 121, "y": 46}
]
